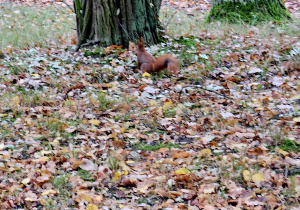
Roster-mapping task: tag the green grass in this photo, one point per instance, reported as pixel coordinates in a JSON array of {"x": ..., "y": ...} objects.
[
  {"x": 182, "y": 24},
  {"x": 287, "y": 145},
  {"x": 85, "y": 175},
  {"x": 24, "y": 26},
  {"x": 147, "y": 147},
  {"x": 251, "y": 13}
]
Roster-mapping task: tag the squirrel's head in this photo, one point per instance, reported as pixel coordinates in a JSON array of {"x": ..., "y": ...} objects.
[{"x": 141, "y": 45}]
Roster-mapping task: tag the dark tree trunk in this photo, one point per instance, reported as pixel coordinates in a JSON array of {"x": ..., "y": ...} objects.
[
  {"x": 116, "y": 22},
  {"x": 249, "y": 11}
]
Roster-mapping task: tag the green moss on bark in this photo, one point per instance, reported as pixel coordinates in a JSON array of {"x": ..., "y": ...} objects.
[{"x": 252, "y": 12}]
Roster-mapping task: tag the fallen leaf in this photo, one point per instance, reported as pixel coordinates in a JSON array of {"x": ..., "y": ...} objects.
[
  {"x": 116, "y": 176},
  {"x": 182, "y": 171},
  {"x": 258, "y": 177},
  {"x": 47, "y": 192},
  {"x": 296, "y": 119},
  {"x": 25, "y": 181},
  {"x": 205, "y": 153},
  {"x": 45, "y": 158},
  {"x": 16, "y": 100},
  {"x": 91, "y": 207},
  {"x": 180, "y": 154},
  {"x": 247, "y": 175},
  {"x": 94, "y": 122},
  {"x": 167, "y": 105},
  {"x": 87, "y": 165},
  {"x": 146, "y": 74}
]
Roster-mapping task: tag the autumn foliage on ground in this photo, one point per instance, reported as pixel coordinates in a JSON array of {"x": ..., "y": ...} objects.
[{"x": 88, "y": 130}]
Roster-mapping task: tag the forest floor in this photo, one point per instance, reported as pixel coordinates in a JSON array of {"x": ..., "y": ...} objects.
[{"x": 88, "y": 130}]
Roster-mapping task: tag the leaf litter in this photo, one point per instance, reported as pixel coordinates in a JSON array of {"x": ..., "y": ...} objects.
[{"x": 92, "y": 132}]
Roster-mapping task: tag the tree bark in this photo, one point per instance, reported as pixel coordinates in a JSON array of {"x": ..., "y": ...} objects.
[
  {"x": 249, "y": 11},
  {"x": 116, "y": 22}
]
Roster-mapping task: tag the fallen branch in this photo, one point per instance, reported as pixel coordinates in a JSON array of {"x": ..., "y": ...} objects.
[
  {"x": 198, "y": 86},
  {"x": 88, "y": 44}
]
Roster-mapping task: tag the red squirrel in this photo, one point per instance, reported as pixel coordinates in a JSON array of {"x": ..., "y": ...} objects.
[{"x": 147, "y": 63}]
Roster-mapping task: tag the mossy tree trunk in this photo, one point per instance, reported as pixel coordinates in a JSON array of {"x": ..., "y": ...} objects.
[
  {"x": 249, "y": 11},
  {"x": 116, "y": 22}
]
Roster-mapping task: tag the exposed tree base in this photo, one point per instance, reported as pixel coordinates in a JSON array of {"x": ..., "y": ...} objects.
[
  {"x": 251, "y": 12},
  {"x": 106, "y": 23}
]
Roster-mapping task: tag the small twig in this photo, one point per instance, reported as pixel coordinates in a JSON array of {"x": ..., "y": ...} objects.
[
  {"x": 69, "y": 6},
  {"x": 197, "y": 86}
]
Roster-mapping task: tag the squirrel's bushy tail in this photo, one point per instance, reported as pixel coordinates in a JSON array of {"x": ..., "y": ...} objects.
[{"x": 166, "y": 62}]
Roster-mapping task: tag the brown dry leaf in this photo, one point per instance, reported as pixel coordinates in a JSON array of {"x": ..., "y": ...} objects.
[
  {"x": 87, "y": 165},
  {"x": 180, "y": 154},
  {"x": 142, "y": 187},
  {"x": 118, "y": 144},
  {"x": 271, "y": 200}
]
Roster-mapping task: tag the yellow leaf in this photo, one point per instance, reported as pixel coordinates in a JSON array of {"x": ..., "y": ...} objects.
[
  {"x": 296, "y": 119},
  {"x": 124, "y": 172},
  {"x": 205, "y": 153},
  {"x": 3, "y": 115},
  {"x": 91, "y": 207},
  {"x": 167, "y": 104},
  {"x": 182, "y": 171},
  {"x": 130, "y": 162},
  {"x": 124, "y": 166},
  {"x": 247, "y": 175},
  {"x": 94, "y": 122},
  {"x": 29, "y": 199},
  {"x": 122, "y": 130},
  {"x": 45, "y": 158},
  {"x": 113, "y": 135},
  {"x": 98, "y": 198},
  {"x": 16, "y": 100},
  {"x": 152, "y": 102},
  {"x": 93, "y": 101},
  {"x": 85, "y": 197},
  {"x": 35, "y": 75},
  {"x": 258, "y": 177},
  {"x": 116, "y": 176},
  {"x": 47, "y": 192},
  {"x": 25, "y": 181},
  {"x": 283, "y": 152},
  {"x": 44, "y": 152},
  {"x": 146, "y": 74}
]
